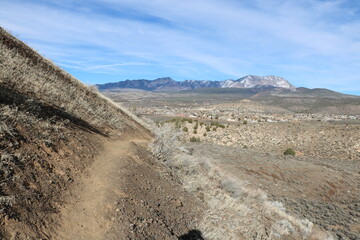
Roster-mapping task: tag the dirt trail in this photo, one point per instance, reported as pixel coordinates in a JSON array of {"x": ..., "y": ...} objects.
[
  {"x": 124, "y": 196},
  {"x": 88, "y": 217}
]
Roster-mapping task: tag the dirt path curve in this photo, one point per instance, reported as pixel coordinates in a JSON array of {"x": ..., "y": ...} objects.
[
  {"x": 89, "y": 215},
  {"x": 125, "y": 195}
]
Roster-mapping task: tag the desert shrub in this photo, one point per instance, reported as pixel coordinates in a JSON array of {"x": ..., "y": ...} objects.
[
  {"x": 289, "y": 151},
  {"x": 204, "y": 134},
  {"x": 179, "y": 121},
  {"x": 214, "y": 129},
  {"x": 172, "y": 120},
  {"x": 245, "y": 122},
  {"x": 185, "y": 129},
  {"x": 217, "y": 124},
  {"x": 166, "y": 142},
  {"x": 195, "y": 132},
  {"x": 208, "y": 129},
  {"x": 176, "y": 121},
  {"x": 186, "y": 120},
  {"x": 196, "y": 126},
  {"x": 201, "y": 123},
  {"x": 194, "y": 139}
]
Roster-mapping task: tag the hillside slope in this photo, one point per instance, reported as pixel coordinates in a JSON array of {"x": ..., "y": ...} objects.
[
  {"x": 51, "y": 129},
  {"x": 25, "y": 71},
  {"x": 54, "y": 136}
]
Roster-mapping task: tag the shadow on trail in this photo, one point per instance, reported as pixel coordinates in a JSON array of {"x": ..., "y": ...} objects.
[{"x": 192, "y": 235}]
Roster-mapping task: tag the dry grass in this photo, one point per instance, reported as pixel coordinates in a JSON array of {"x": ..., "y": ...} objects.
[
  {"x": 236, "y": 210},
  {"x": 25, "y": 71}
]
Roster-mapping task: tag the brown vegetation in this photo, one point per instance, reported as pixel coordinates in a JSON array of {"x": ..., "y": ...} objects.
[{"x": 25, "y": 71}]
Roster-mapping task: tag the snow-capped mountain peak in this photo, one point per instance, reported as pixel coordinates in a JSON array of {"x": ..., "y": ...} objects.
[{"x": 167, "y": 83}]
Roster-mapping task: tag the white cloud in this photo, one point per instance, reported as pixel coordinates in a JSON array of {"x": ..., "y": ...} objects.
[{"x": 311, "y": 39}]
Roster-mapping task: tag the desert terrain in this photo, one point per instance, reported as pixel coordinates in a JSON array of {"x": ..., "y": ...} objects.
[
  {"x": 194, "y": 164},
  {"x": 245, "y": 137}
]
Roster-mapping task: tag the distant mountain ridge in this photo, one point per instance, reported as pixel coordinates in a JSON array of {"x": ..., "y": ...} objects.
[{"x": 169, "y": 84}]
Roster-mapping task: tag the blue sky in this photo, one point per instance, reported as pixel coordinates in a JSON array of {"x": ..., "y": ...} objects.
[{"x": 311, "y": 43}]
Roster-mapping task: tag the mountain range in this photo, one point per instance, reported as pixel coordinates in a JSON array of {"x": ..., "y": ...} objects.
[{"x": 169, "y": 84}]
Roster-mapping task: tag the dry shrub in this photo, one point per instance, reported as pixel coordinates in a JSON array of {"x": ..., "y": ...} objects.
[{"x": 289, "y": 151}]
